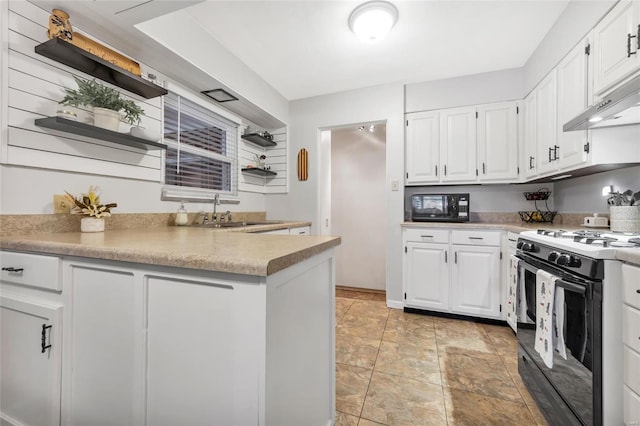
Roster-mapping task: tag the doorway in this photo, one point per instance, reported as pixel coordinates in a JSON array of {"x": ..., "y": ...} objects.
[{"x": 353, "y": 202}]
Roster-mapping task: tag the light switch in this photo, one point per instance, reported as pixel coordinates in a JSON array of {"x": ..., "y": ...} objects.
[{"x": 395, "y": 185}]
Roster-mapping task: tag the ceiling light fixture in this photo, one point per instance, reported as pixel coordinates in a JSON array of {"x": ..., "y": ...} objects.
[
  {"x": 373, "y": 20},
  {"x": 219, "y": 95}
]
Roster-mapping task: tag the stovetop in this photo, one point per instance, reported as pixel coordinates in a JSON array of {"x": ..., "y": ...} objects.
[{"x": 596, "y": 245}]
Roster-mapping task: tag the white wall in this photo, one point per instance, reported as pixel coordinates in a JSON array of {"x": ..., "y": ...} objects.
[
  {"x": 358, "y": 210},
  {"x": 584, "y": 194},
  {"x": 308, "y": 117},
  {"x": 474, "y": 89},
  {"x": 571, "y": 27}
]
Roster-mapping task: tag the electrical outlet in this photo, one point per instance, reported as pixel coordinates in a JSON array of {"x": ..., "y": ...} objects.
[{"x": 61, "y": 204}]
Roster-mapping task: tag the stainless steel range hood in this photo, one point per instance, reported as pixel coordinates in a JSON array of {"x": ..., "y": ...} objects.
[{"x": 621, "y": 107}]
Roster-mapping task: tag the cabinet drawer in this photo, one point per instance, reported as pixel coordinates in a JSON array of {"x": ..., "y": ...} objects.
[
  {"x": 426, "y": 235},
  {"x": 631, "y": 404},
  {"x": 34, "y": 270},
  {"x": 632, "y": 369},
  {"x": 476, "y": 238},
  {"x": 301, "y": 230},
  {"x": 631, "y": 285},
  {"x": 631, "y": 327}
]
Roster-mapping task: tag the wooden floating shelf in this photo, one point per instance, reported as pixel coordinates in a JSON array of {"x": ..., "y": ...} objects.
[
  {"x": 68, "y": 54},
  {"x": 83, "y": 129},
  {"x": 258, "y": 139},
  {"x": 258, "y": 172}
]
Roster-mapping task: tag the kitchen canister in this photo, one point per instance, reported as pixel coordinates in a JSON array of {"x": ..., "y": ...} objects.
[{"x": 624, "y": 218}]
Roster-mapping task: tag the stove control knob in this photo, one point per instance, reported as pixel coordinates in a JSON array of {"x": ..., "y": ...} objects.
[
  {"x": 528, "y": 247},
  {"x": 568, "y": 260},
  {"x": 519, "y": 245},
  {"x": 553, "y": 256}
]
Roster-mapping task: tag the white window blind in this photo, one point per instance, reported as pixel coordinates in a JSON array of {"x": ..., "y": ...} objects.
[{"x": 201, "y": 149}]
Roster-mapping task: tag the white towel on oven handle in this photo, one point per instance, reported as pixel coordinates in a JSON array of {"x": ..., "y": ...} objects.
[
  {"x": 558, "y": 323},
  {"x": 545, "y": 292}
]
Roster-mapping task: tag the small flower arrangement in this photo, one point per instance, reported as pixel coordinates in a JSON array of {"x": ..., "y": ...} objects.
[{"x": 89, "y": 204}]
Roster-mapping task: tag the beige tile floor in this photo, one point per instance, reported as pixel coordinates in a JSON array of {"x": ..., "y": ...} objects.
[{"x": 394, "y": 368}]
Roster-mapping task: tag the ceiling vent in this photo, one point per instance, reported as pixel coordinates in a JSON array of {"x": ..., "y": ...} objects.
[{"x": 219, "y": 95}]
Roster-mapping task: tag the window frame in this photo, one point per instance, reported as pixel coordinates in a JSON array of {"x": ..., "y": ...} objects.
[{"x": 187, "y": 193}]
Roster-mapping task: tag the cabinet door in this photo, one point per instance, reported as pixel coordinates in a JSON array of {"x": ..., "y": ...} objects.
[
  {"x": 458, "y": 144},
  {"x": 572, "y": 100},
  {"x": 475, "y": 281},
  {"x": 498, "y": 141},
  {"x": 546, "y": 123},
  {"x": 105, "y": 346},
  {"x": 422, "y": 147},
  {"x": 426, "y": 278},
  {"x": 529, "y": 140},
  {"x": 615, "y": 46},
  {"x": 30, "y": 375},
  {"x": 205, "y": 345}
]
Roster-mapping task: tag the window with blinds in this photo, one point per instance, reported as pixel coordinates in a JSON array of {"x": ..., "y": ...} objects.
[{"x": 201, "y": 148}]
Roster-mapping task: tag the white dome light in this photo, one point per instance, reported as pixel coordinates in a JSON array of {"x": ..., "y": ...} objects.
[{"x": 373, "y": 20}]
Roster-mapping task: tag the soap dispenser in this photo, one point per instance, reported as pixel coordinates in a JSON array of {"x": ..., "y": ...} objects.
[{"x": 181, "y": 215}]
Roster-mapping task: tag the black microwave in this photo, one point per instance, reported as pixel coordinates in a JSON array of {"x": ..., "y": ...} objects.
[{"x": 440, "y": 207}]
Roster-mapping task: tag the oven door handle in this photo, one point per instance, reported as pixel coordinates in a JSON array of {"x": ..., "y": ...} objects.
[
  {"x": 570, "y": 286},
  {"x": 576, "y": 288}
]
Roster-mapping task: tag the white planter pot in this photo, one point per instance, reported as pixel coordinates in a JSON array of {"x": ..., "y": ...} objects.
[
  {"x": 624, "y": 218},
  {"x": 106, "y": 118},
  {"x": 92, "y": 224}
]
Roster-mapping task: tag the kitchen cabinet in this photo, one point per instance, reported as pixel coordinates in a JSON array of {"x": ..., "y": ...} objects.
[
  {"x": 615, "y": 46},
  {"x": 31, "y": 309},
  {"x": 422, "y": 147},
  {"x": 453, "y": 271},
  {"x": 463, "y": 145},
  {"x": 631, "y": 340},
  {"x": 30, "y": 361},
  {"x": 529, "y": 136},
  {"x": 284, "y": 231},
  {"x": 300, "y": 230},
  {"x": 475, "y": 273},
  {"x": 573, "y": 98},
  {"x": 546, "y": 124},
  {"x": 426, "y": 269},
  {"x": 458, "y": 144},
  {"x": 497, "y": 141}
]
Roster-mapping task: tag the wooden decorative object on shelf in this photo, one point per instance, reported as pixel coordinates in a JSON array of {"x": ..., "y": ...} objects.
[
  {"x": 303, "y": 165},
  {"x": 60, "y": 27}
]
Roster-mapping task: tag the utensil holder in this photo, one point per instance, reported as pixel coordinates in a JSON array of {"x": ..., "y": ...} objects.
[{"x": 624, "y": 218}]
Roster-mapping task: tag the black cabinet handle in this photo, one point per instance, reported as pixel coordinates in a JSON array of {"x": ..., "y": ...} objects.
[
  {"x": 445, "y": 169},
  {"x": 43, "y": 338},
  {"x": 555, "y": 152},
  {"x": 12, "y": 269},
  {"x": 531, "y": 162},
  {"x": 629, "y": 52},
  {"x": 436, "y": 170},
  {"x": 550, "y": 151},
  {"x": 476, "y": 238},
  {"x": 455, "y": 257},
  {"x": 638, "y": 291},
  {"x": 484, "y": 169},
  {"x": 445, "y": 257}
]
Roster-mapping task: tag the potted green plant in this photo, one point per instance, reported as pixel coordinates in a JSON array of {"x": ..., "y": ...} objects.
[{"x": 105, "y": 101}]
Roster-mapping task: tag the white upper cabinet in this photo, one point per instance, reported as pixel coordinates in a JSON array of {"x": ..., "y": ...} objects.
[
  {"x": 497, "y": 139},
  {"x": 529, "y": 136},
  {"x": 615, "y": 46},
  {"x": 546, "y": 124},
  {"x": 458, "y": 147},
  {"x": 573, "y": 82},
  {"x": 423, "y": 147}
]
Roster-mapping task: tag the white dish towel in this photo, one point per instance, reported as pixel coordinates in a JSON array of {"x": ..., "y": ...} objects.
[
  {"x": 512, "y": 298},
  {"x": 545, "y": 293}
]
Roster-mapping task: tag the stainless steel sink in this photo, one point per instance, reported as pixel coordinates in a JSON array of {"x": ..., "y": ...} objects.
[{"x": 235, "y": 224}]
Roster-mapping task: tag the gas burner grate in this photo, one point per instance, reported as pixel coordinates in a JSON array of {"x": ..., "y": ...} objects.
[
  {"x": 591, "y": 239},
  {"x": 588, "y": 234},
  {"x": 552, "y": 233}
]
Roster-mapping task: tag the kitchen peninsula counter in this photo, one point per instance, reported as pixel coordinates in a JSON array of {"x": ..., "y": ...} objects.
[
  {"x": 171, "y": 325},
  {"x": 220, "y": 250}
]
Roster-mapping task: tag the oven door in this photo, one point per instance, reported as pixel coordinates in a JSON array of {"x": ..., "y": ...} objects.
[{"x": 577, "y": 380}]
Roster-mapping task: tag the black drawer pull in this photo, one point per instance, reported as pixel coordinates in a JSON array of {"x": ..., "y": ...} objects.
[
  {"x": 12, "y": 269},
  {"x": 638, "y": 291},
  {"x": 426, "y": 236},
  {"x": 476, "y": 238}
]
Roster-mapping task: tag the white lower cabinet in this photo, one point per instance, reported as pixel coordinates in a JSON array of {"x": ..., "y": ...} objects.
[
  {"x": 30, "y": 361},
  {"x": 132, "y": 344},
  {"x": 631, "y": 340},
  {"x": 427, "y": 276},
  {"x": 300, "y": 230},
  {"x": 442, "y": 274}
]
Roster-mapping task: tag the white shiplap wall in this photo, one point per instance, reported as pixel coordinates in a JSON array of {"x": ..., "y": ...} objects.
[
  {"x": 276, "y": 159},
  {"x": 36, "y": 84}
]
